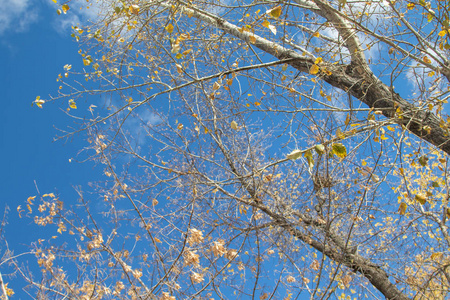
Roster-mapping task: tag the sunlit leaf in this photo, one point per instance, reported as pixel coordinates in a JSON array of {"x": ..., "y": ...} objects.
[
  {"x": 320, "y": 149},
  {"x": 169, "y": 28},
  {"x": 402, "y": 208},
  {"x": 442, "y": 33},
  {"x": 421, "y": 198},
  {"x": 339, "y": 150},
  {"x": 270, "y": 26},
  {"x": 39, "y": 102},
  {"x": 234, "y": 125},
  {"x": 72, "y": 104},
  {"x": 295, "y": 154},
  {"x": 175, "y": 48},
  {"x": 318, "y": 60},
  {"x": 309, "y": 158},
  {"x": 134, "y": 9},
  {"x": 314, "y": 69},
  {"x": 436, "y": 255},
  {"x": 179, "y": 68},
  {"x": 275, "y": 12},
  {"x": 65, "y": 8}
]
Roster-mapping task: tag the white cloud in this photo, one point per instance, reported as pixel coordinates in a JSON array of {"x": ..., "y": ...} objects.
[
  {"x": 79, "y": 14},
  {"x": 17, "y": 15}
]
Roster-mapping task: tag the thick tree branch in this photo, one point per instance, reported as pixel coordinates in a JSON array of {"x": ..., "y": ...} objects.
[{"x": 356, "y": 80}]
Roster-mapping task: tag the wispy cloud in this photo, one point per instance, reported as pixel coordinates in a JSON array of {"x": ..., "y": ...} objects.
[
  {"x": 17, "y": 15},
  {"x": 80, "y": 13}
]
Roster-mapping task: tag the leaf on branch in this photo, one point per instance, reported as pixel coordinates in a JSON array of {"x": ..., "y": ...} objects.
[
  {"x": 179, "y": 68},
  {"x": 175, "y": 48},
  {"x": 320, "y": 149},
  {"x": 39, "y": 102},
  {"x": 421, "y": 198},
  {"x": 234, "y": 125},
  {"x": 72, "y": 104},
  {"x": 423, "y": 160},
  {"x": 426, "y": 59},
  {"x": 65, "y": 8},
  {"x": 314, "y": 69},
  {"x": 270, "y": 26},
  {"x": 295, "y": 154},
  {"x": 274, "y": 12},
  {"x": 134, "y": 9},
  {"x": 169, "y": 28},
  {"x": 402, "y": 208},
  {"x": 339, "y": 150},
  {"x": 309, "y": 158}
]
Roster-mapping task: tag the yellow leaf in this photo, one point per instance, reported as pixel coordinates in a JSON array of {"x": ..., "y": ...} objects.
[
  {"x": 410, "y": 6},
  {"x": 39, "y": 102},
  {"x": 421, "y": 198},
  {"x": 157, "y": 240},
  {"x": 436, "y": 255},
  {"x": 169, "y": 28},
  {"x": 314, "y": 69},
  {"x": 187, "y": 51},
  {"x": 180, "y": 126},
  {"x": 252, "y": 39},
  {"x": 134, "y": 9},
  {"x": 30, "y": 199},
  {"x": 271, "y": 27},
  {"x": 54, "y": 1},
  {"x": 426, "y": 59},
  {"x": 442, "y": 33},
  {"x": 257, "y": 103},
  {"x": 29, "y": 208},
  {"x": 72, "y": 104},
  {"x": 402, "y": 208},
  {"x": 275, "y": 12},
  {"x": 318, "y": 60},
  {"x": 339, "y": 150},
  {"x": 234, "y": 125},
  {"x": 65, "y": 8},
  {"x": 179, "y": 68}
]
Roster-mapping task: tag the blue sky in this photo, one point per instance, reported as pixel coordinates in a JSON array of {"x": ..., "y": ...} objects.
[{"x": 35, "y": 44}]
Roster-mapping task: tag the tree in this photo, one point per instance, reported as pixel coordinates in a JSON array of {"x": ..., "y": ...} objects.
[{"x": 293, "y": 149}]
